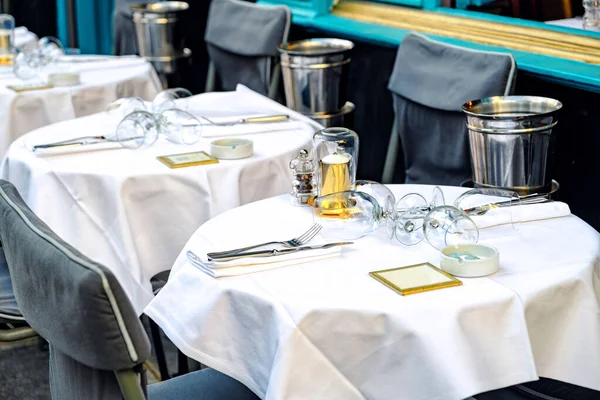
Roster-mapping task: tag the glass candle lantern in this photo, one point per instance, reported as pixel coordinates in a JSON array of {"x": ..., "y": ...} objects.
[
  {"x": 336, "y": 150},
  {"x": 7, "y": 39}
]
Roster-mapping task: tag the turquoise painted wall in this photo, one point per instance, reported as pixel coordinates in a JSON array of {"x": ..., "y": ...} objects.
[{"x": 94, "y": 25}]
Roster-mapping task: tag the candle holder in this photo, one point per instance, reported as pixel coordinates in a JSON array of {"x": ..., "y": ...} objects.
[{"x": 336, "y": 150}]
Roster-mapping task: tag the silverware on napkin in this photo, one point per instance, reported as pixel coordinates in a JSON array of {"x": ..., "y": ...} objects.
[
  {"x": 73, "y": 142},
  {"x": 524, "y": 200},
  {"x": 263, "y": 253},
  {"x": 298, "y": 241},
  {"x": 249, "y": 120}
]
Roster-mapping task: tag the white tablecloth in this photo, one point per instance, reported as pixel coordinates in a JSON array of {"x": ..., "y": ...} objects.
[
  {"x": 101, "y": 83},
  {"x": 128, "y": 211},
  {"x": 326, "y": 330}
]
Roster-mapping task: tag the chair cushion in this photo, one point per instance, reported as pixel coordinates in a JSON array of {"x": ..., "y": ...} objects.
[{"x": 75, "y": 304}]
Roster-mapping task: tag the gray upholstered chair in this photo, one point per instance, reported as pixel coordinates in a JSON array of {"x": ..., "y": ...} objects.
[
  {"x": 430, "y": 82},
  {"x": 97, "y": 343},
  {"x": 243, "y": 40},
  {"x": 125, "y": 42},
  {"x": 12, "y": 324}
]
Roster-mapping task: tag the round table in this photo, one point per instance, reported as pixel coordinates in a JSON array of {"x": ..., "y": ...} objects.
[
  {"x": 102, "y": 81},
  {"x": 130, "y": 212},
  {"x": 326, "y": 329}
]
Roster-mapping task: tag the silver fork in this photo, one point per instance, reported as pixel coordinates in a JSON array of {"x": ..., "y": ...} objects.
[{"x": 295, "y": 242}]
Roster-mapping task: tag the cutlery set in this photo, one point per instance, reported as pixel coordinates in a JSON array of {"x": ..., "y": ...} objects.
[{"x": 294, "y": 245}]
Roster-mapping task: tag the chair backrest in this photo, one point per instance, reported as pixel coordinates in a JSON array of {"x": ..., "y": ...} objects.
[
  {"x": 243, "y": 40},
  {"x": 430, "y": 83},
  {"x": 124, "y": 36},
  {"x": 74, "y": 303}
]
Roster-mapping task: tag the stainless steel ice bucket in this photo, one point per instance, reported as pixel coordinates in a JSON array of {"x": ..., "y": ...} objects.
[
  {"x": 315, "y": 74},
  {"x": 159, "y": 33},
  {"x": 512, "y": 141}
]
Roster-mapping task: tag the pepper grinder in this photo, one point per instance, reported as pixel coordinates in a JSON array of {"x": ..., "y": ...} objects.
[{"x": 303, "y": 186}]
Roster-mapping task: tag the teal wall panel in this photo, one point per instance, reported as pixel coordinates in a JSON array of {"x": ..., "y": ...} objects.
[{"x": 94, "y": 25}]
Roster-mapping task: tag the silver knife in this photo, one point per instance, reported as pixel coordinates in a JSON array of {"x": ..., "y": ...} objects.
[
  {"x": 73, "y": 142},
  {"x": 275, "y": 252}
]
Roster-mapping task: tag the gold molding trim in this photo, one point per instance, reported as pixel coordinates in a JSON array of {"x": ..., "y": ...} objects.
[{"x": 535, "y": 40}]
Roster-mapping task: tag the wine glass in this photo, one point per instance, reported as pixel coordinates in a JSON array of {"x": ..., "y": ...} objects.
[
  {"x": 27, "y": 64},
  {"x": 347, "y": 215},
  {"x": 412, "y": 209},
  {"x": 491, "y": 207},
  {"x": 138, "y": 130},
  {"x": 180, "y": 126},
  {"x": 166, "y": 100},
  {"x": 384, "y": 196},
  {"x": 449, "y": 226},
  {"x": 50, "y": 50},
  {"x": 121, "y": 108}
]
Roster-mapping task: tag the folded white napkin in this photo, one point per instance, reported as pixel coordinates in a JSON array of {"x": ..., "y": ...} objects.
[
  {"x": 246, "y": 129},
  {"x": 21, "y": 31},
  {"x": 522, "y": 213},
  {"x": 242, "y": 266}
]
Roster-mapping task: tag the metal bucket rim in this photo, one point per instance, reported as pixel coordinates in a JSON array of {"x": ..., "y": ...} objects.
[
  {"x": 469, "y": 105},
  {"x": 164, "y": 7},
  {"x": 343, "y": 46},
  {"x": 345, "y": 110}
]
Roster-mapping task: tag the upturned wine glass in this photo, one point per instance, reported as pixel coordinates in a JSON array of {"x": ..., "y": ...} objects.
[
  {"x": 180, "y": 126},
  {"x": 412, "y": 209},
  {"x": 495, "y": 206},
  {"x": 171, "y": 98},
  {"x": 138, "y": 130}
]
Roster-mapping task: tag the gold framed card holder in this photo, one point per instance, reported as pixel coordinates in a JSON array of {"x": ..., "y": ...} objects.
[
  {"x": 187, "y": 159},
  {"x": 415, "y": 278}
]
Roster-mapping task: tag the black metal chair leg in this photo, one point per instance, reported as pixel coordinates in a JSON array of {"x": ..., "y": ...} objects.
[
  {"x": 160, "y": 351},
  {"x": 182, "y": 363}
]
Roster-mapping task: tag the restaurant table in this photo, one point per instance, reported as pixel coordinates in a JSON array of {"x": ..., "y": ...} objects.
[
  {"x": 102, "y": 81},
  {"x": 130, "y": 212},
  {"x": 327, "y": 330}
]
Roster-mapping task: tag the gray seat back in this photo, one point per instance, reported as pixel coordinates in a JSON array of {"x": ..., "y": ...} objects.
[
  {"x": 125, "y": 41},
  {"x": 242, "y": 40},
  {"x": 74, "y": 303},
  {"x": 430, "y": 83}
]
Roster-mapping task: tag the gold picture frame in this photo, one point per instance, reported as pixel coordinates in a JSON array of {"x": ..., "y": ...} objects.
[
  {"x": 187, "y": 159},
  {"x": 415, "y": 278},
  {"x": 29, "y": 87}
]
